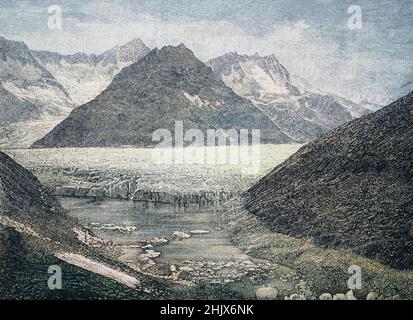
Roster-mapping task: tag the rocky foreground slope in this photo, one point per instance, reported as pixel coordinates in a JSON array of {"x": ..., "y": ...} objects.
[
  {"x": 35, "y": 233},
  {"x": 350, "y": 189}
]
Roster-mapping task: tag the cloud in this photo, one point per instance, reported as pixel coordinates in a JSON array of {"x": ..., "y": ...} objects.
[{"x": 347, "y": 68}]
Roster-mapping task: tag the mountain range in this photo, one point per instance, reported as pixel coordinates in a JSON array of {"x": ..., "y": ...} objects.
[
  {"x": 165, "y": 86},
  {"x": 301, "y": 111},
  {"x": 85, "y": 76},
  {"x": 41, "y": 88},
  {"x": 22, "y": 75},
  {"x": 47, "y": 86},
  {"x": 350, "y": 189}
]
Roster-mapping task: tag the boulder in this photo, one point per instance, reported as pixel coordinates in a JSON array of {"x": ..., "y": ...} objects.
[
  {"x": 340, "y": 296},
  {"x": 188, "y": 269},
  {"x": 179, "y": 235},
  {"x": 158, "y": 241},
  {"x": 372, "y": 296},
  {"x": 184, "y": 275},
  {"x": 149, "y": 254},
  {"x": 163, "y": 270},
  {"x": 326, "y": 296},
  {"x": 266, "y": 293},
  {"x": 350, "y": 295}
]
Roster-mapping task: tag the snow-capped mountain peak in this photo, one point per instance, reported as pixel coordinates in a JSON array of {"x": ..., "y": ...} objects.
[
  {"x": 125, "y": 54},
  {"x": 301, "y": 111},
  {"x": 260, "y": 79},
  {"x": 31, "y": 98},
  {"x": 19, "y": 66},
  {"x": 85, "y": 76}
]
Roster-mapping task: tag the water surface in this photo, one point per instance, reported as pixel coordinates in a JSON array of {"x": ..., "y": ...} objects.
[{"x": 153, "y": 220}]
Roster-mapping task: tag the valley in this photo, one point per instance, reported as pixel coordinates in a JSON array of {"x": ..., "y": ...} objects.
[
  {"x": 169, "y": 229},
  {"x": 160, "y": 153},
  {"x": 185, "y": 224}
]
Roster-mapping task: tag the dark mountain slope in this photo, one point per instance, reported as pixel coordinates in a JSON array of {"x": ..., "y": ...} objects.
[
  {"x": 14, "y": 109},
  {"x": 24, "y": 200},
  {"x": 165, "y": 86},
  {"x": 350, "y": 189}
]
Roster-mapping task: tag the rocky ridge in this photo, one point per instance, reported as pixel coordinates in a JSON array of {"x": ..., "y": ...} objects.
[{"x": 350, "y": 189}]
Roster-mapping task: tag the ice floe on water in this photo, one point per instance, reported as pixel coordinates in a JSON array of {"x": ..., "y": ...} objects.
[
  {"x": 113, "y": 227},
  {"x": 199, "y": 231}
]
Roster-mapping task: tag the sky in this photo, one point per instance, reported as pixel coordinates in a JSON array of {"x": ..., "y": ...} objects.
[{"x": 320, "y": 40}]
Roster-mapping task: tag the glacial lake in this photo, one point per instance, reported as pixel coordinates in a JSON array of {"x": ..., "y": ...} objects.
[
  {"x": 204, "y": 259},
  {"x": 148, "y": 220},
  {"x": 210, "y": 257}
]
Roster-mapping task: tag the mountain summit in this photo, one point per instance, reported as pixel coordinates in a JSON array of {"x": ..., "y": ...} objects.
[
  {"x": 23, "y": 76},
  {"x": 32, "y": 101},
  {"x": 124, "y": 55},
  {"x": 260, "y": 79},
  {"x": 166, "y": 85},
  {"x": 85, "y": 76},
  {"x": 300, "y": 111}
]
